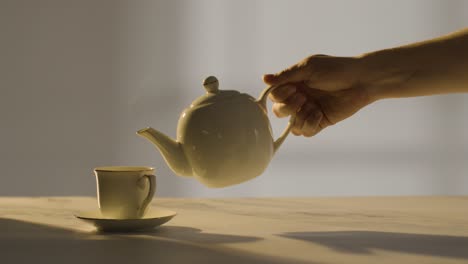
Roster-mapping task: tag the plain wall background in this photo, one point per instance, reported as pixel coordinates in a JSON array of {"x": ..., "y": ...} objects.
[{"x": 78, "y": 78}]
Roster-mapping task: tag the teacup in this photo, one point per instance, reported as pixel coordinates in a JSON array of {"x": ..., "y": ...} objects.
[{"x": 124, "y": 192}]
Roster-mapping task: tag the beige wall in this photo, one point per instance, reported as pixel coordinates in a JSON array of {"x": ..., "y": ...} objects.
[
  {"x": 79, "y": 77},
  {"x": 57, "y": 101}
]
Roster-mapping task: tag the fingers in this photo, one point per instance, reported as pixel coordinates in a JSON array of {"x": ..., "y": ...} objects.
[
  {"x": 290, "y": 105},
  {"x": 308, "y": 115},
  {"x": 301, "y": 117},
  {"x": 312, "y": 124},
  {"x": 307, "y": 121},
  {"x": 282, "y": 93},
  {"x": 295, "y": 73}
]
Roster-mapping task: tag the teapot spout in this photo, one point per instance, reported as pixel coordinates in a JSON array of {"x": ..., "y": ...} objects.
[{"x": 171, "y": 150}]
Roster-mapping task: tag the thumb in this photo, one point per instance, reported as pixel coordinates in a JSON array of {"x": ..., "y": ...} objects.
[{"x": 295, "y": 73}]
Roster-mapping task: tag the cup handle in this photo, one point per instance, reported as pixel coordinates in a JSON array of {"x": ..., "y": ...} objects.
[
  {"x": 262, "y": 101},
  {"x": 152, "y": 188}
]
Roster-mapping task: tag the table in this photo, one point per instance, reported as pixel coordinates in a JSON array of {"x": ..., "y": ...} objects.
[{"x": 244, "y": 230}]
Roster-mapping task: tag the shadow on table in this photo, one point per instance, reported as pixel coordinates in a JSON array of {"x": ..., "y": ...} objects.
[
  {"x": 195, "y": 235},
  {"x": 25, "y": 242},
  {"x": 362, "y": 242}
]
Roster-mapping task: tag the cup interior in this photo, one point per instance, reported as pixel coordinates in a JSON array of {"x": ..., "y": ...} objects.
[{"x": 124, "y": 168}]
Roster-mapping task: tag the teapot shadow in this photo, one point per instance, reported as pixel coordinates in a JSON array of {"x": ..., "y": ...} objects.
[{"x": 363, "y": 242}]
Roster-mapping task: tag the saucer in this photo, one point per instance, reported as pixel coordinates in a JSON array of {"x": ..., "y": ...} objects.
[{"x": 153, "y": 218}]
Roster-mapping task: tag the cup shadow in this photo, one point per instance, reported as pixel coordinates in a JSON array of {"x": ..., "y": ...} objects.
[
  {"x": 26, "y": 242},
  {"x": 363, "y": 242}
]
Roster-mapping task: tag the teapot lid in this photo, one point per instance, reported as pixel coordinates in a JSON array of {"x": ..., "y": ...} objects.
[{"x": 213, "y": 93}]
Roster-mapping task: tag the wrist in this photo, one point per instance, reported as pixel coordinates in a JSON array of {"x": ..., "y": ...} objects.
[{"x": 383, "y": 74}]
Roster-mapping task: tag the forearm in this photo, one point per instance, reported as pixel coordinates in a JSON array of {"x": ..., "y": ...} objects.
[{"x": 436, "y": 66}]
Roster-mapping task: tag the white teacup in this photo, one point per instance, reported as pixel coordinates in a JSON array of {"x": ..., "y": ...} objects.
[{"x": 124, "y": 192}]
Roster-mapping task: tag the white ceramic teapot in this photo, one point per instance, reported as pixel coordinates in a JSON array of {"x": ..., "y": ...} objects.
[{"x": 223, "y": 138}]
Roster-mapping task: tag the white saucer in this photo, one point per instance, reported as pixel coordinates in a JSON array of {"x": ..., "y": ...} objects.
[{"x": 153, "y": 218}]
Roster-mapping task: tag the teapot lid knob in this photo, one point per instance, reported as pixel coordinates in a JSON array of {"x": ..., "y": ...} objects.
[{"x": 211, "y": 84}]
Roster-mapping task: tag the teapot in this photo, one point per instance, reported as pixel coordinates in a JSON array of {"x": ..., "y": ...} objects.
[{"x": 223, "y": 138}]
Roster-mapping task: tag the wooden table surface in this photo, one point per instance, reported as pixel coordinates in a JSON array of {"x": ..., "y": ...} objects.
[{"x": 248, "y": 230}]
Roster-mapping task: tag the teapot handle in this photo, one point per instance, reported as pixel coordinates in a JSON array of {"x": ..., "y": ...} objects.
[{"x": 262, "y": 100}]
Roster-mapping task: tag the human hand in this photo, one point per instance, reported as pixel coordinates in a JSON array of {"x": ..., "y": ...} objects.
[{"x": 320, "y": 91}]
